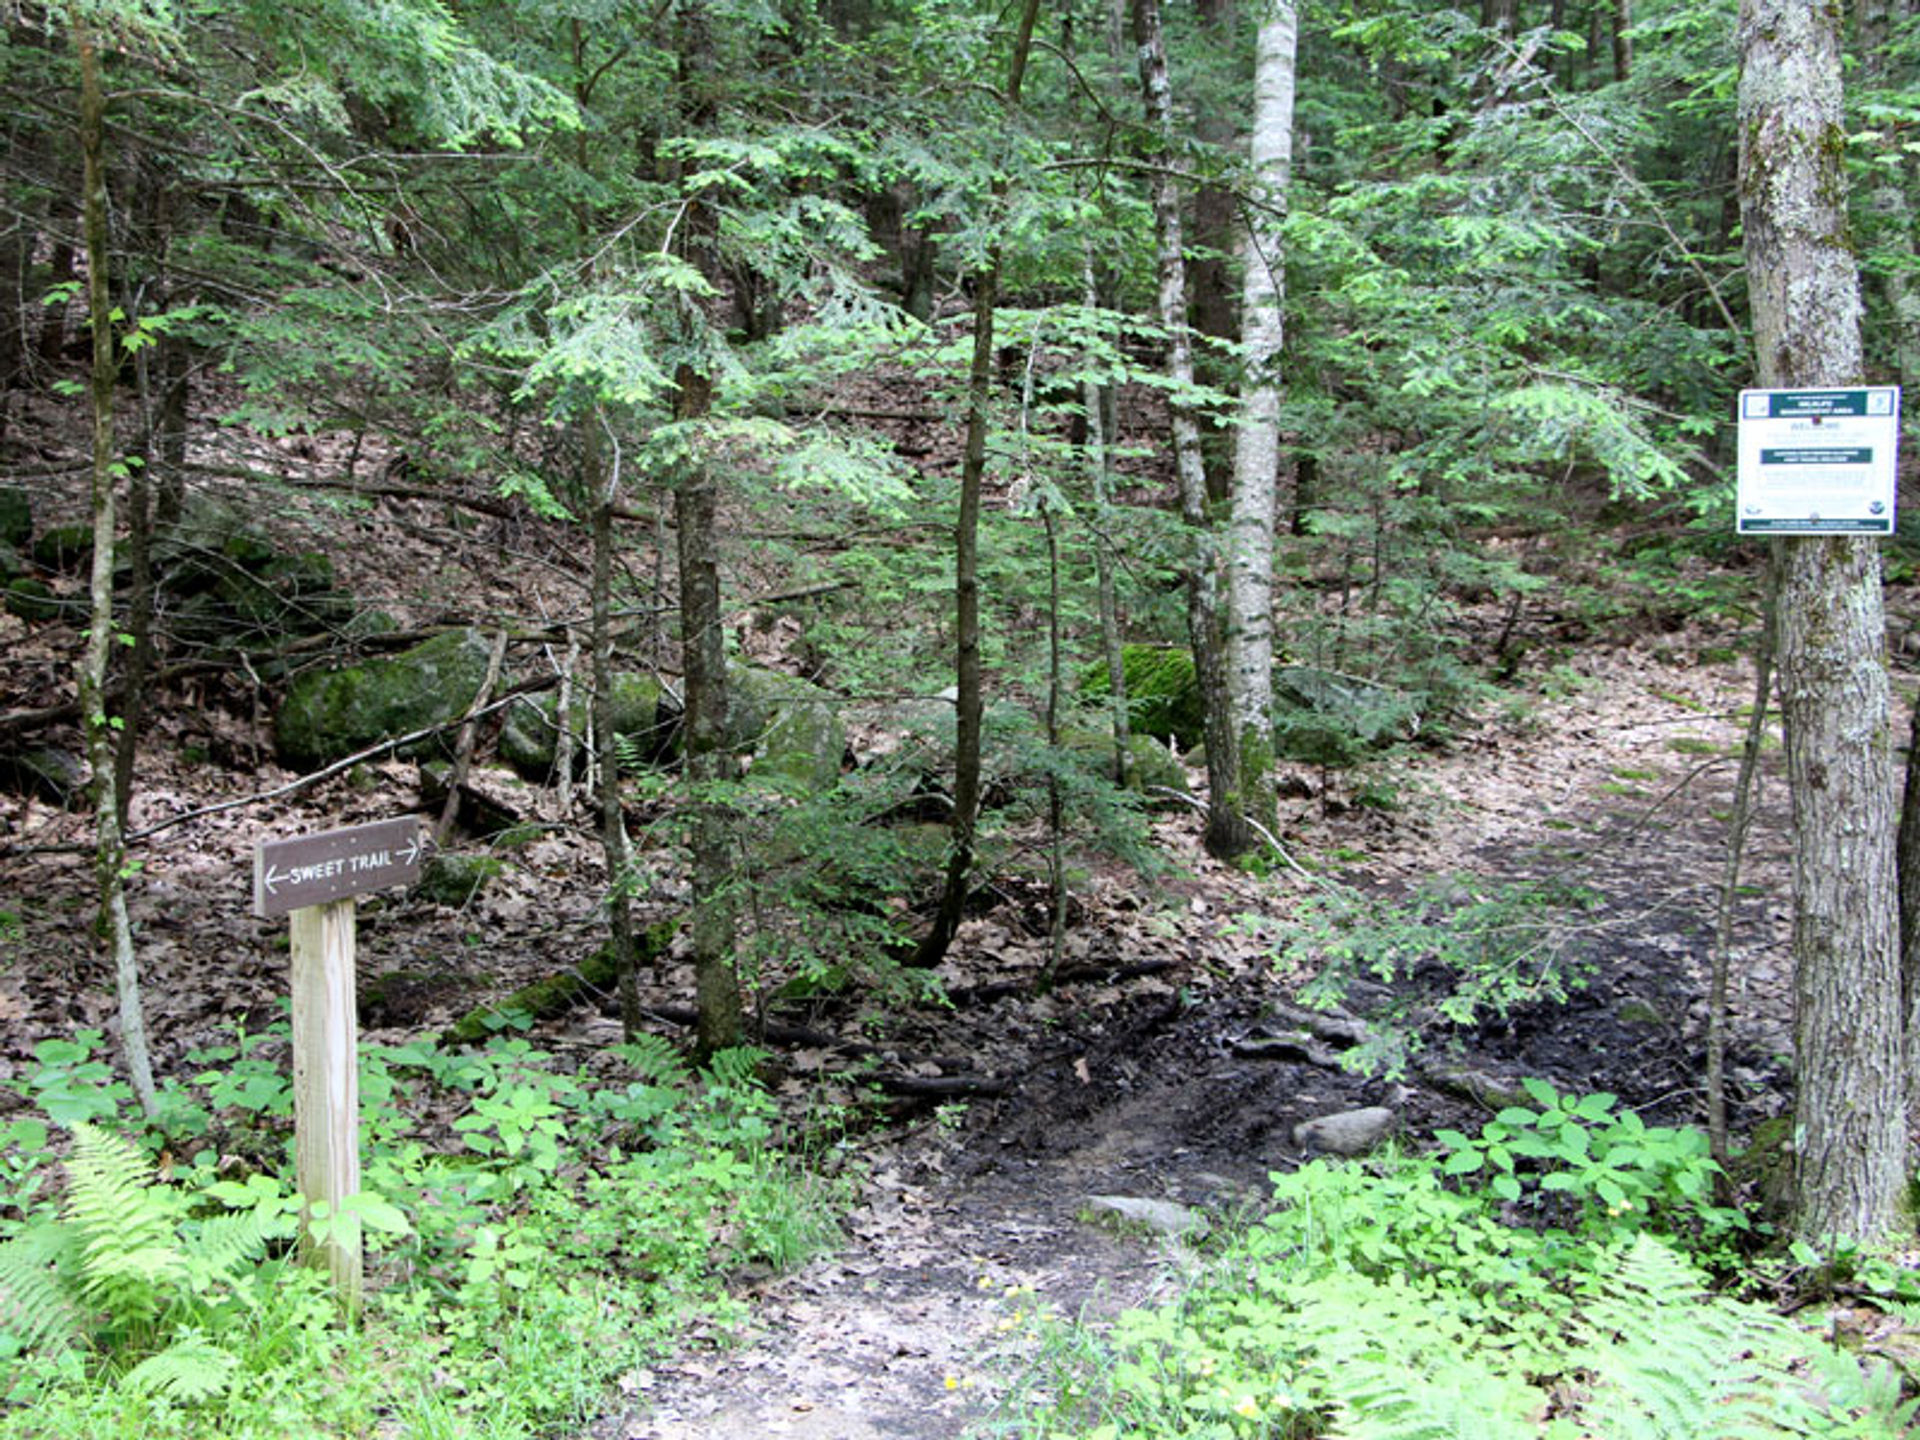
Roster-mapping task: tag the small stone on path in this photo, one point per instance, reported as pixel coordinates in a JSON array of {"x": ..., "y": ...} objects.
[{"x": 1161, "y": 1215}]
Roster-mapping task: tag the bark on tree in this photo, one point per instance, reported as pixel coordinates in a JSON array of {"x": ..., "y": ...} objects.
[
  {"x": 1097, "y": 400},
  {"x": 966, "y": 567},
  {"x": 1256, "y": 457},
  {"x": 1850, "y": 1112},
  {"x": 602, "y": 476},
  {"x": 110, "y": 850},
  {"x": 703, "y": 643},
  {"x": 1227, "y": 833}
]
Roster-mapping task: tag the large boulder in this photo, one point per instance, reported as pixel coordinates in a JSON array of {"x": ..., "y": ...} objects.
[
  {"x": 1153, "y": 769},
  {"x": 792, "y": 729},
  {"x": 1322, "y": 717},
  {"x": 331, "y": 714},
  {"x": 1163, "y": 693},
  {"x": 643, "y": 716}
]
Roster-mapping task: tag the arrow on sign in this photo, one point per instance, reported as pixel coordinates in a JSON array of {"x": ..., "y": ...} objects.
[
  {"x": 412, "y": 851},
  {"x": 272, "y": 878}
]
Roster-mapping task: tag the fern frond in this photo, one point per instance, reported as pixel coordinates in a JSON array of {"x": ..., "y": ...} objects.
[
  {"x": 656, "y": 1060},
  {"x": 36, "y": 1300},
  {"x": 189, "y": 1370},
  {"x": 221, "y": 1246},
  {"x": 1669, "y": 1362},
  {"x": 1396, "y": 1367},
  {"x": 125, "y": 1225}
]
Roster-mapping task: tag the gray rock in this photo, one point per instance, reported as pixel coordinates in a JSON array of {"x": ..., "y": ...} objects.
[
  {"x": 329, "y": 715},
  {"x": 1351, "y": 1132},
  {"x": 1162, "y": 1216},
  {"x": 453, "y": 879},
  {"x": 791, "y": 727},
  {"x": 46, "y": 771},
  {"x": 530, "y": 737}
]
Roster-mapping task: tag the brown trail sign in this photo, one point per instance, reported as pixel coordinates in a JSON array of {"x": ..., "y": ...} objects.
[
  {"x": 289, "y": 875},
  {"x": 314, "y": 878}
]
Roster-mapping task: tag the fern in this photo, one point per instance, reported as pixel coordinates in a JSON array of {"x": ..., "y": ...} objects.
[
  {"x": 126, "y": 1228},
  {"x": 37, "y": 1311},
  {"x": 1669, "y": 1363},
  {"x": 1393, "y": 1365},
  {"x": 191, "y": 1369}
]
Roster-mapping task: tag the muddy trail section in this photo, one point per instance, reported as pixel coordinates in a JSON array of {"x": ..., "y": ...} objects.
[{"x": 1181, "y": 1091}]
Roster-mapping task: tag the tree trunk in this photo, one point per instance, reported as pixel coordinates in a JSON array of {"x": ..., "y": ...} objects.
[
  {"x": 966, "y": 568},
  {"x": 703, "y": 645},
  {"x": 1256, "y": 459},
  {"x": 1850, "y": 1111},
  {"x": 1227, "y": 834},
  {"x": 110, "y": 851},
  {"x": 1622, "y": 41},
  {"x": 1097, "y": 400},
  {"x": 1209, "y": 275},
  {"x": 602, "y": 480}
]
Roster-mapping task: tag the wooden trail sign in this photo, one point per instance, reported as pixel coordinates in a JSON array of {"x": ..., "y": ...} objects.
[
  {"x": 290, "y": 875},
  {"x": 314, "y": 879}
]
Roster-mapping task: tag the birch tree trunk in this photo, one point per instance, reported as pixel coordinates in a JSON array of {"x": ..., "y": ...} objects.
[
  {"x": 1227, "y": 834},
  {"x": 1850, "y": 1111},
  {"x": 110, "y": 849},
  {"x": 1256, "y": 453}
]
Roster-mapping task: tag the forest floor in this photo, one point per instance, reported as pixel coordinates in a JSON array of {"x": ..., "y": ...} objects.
[
  {"x": 1138, "y": 1090},
  {"x": 1607, "y": 769},
  {"x": 1613, "y": 777}
]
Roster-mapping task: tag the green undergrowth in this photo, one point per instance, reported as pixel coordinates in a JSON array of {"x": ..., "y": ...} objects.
[
  {"x": 1548, "y": 1279},
  {"x": 562, "y": 1234}
]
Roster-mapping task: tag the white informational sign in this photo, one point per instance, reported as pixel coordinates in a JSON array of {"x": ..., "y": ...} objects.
[{"x": 1818, "y": 462}]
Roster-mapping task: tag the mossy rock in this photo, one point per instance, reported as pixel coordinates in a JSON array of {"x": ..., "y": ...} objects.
[
  {"x": 66, "y": 548},
  {"x": 329, "y": 715},
  {"x": 642, "y": 717},
  {"x": 16, "y": 516},
  {"x": 791, "y": 727},
  {"x": 211, "y": 542},
  {"x": 12, "y": 564},
  {"x": 1322, "y": 717},
  {"x": 45, "y": 771},
  {"x": 453, "y": 879},
  {"x": 1153, "y": 767},
  {"x": 31, "y": 600},
  {"x": 1163, "y": 692}
]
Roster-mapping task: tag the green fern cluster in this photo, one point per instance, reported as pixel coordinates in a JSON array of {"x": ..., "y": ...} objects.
[
  {"x": 1294, "y": 1342},
  {"x": 126, "y": 1272}
]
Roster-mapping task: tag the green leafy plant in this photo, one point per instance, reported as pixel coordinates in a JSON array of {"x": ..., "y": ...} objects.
[
  {"x": 1586, "y": 1163},
  {"x": 1470, "y": 947}
]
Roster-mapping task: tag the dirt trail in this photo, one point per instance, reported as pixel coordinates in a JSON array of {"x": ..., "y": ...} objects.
[{"x": 903, "y": 1334}]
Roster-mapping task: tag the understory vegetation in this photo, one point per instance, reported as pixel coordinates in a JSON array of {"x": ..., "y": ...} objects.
[
  {"x": 1563, "y": 1274},
  {"x": 578, "y": 1231}
]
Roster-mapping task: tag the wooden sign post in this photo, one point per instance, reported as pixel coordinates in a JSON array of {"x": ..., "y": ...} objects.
[{"x": 314, "y": 879}]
